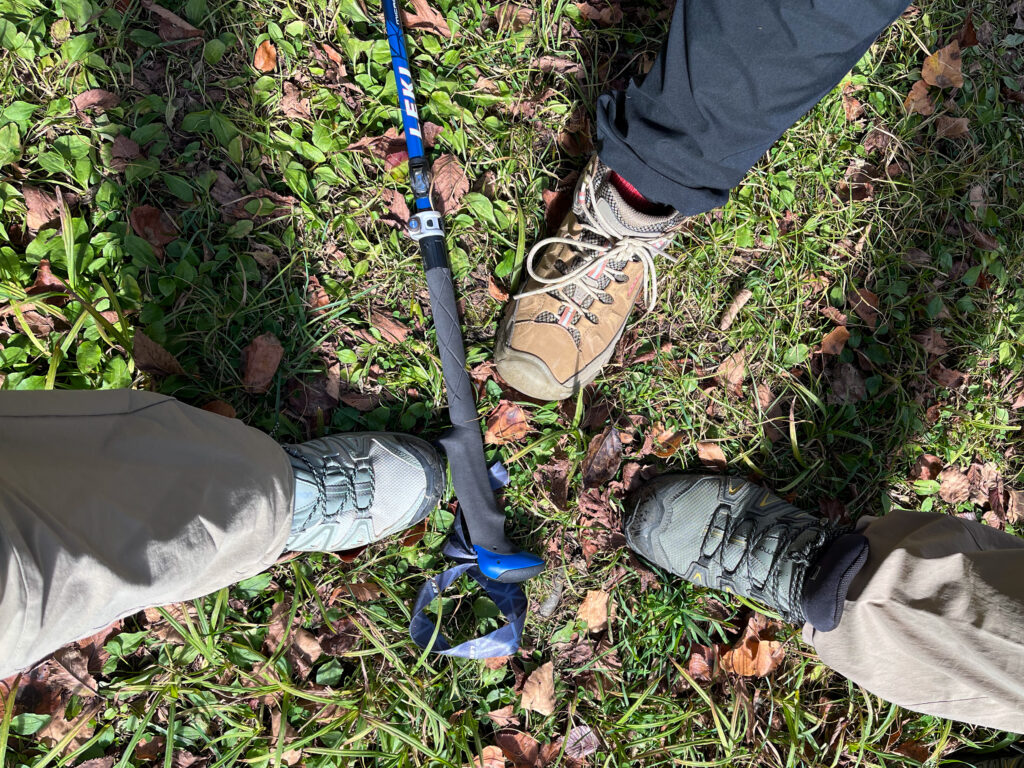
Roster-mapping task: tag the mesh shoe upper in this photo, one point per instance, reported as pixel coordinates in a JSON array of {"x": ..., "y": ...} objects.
[
  {"x": 584, "y": 281},
  {"x": 729, "y": 534},
  {"x": 354, "y": 489}
]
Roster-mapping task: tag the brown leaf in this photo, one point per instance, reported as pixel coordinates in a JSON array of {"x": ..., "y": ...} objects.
[
  {"x": 733, "y": 311},
  {"x": 450, "y": 183},
  {"x": 316, "y": 296},
  {"x": 981, "y": 239},
  {"x": 152, "y": 358},
  {"x": 942, "y": 68},
  {"x": 1015, "y": 507},
  {"x": 364, "y": 591},
  {"x": 593, "y": 611},
  {"x": 71, "y": 672},
  {"x": 46, "y": 282},
  {"x": 512, "y": 16},
  {"x": 865, "y": 305},
  {"x": 919, "y": 100},
  {"x": 122, "y": 152},
  {"x": 604, "y": 14},
  {"x": 772, "y": 411},
  {"x": 847, "y": 385},
  {"x": 504, "y": 717},
  {"x": 757, "y": 653},
  {"x": 604, "y": 454},
  {"x": 580, "y": 742},
  {"x": 834, "y": 341},
  {"x": 426, "y": 18},
  {"x": 703, "y": 662},
  {"x": 932, "y": 341},
  {"x": 559, "y": 65},
  {"x": 915, "y": 750},
  {"x": 858, "y": 182},
  {"x": 967, "y": 36},
  {"x": 954, "y": 487},
  {"x": 951, "y": 127},
  {"x": 99, "y": 762},
  {"x": 852, "y": 107},
  {"x": 150, "y": 749},
  {"x": 260, "y": 361},
  {"x": 539, "y": 690},
  {"x": 521, "y": 748},
  {"x": 304, "y": 651},
  {"x": 497, "y": 662},
  {"x": 293, "y": 104},
  {"x": 732, "y": 372},
  {"x": 553, "y": 477},
  {"x": 281, "y": 731},
  {"x": 496, "y": 290},
  {"x": 390, "y": 329},
  {"x": 490, "y": 757},
  {"x": 344, "y": 639},
  {"x": 711, "y": 455},
  {"x": 558, "y": 201},
  {"x": 265, "y": 58},
  {"x": 507, "y": 423},
  {"x": 154, "y": 226},
  {"x": 665, "y": 442},
  {"x": 927, "y": 467},
  {"x": 946, "y": 377},
  {"x": 59, "y": 729},
  {"x": 398, "y": 214},
  {"x": 172, "y": 27},
  {"x": 42, "y": 208},
  {"x": 221, "y": 408},
  {"x": 95, "y": 98}
]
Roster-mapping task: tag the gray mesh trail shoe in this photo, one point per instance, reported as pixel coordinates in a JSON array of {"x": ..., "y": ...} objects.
[
  {"x": 357, "y": 488},
  {"x": 733, "y": 535}
]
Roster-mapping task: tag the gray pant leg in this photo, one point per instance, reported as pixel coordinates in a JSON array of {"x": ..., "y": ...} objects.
[
  {"x": 935, "y": 620},
  {"x": 114, "y": 501}
]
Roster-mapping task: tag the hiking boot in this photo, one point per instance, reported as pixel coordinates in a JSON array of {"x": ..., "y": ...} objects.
[
  {"x": 733, "y": 535},
  {"x": 354, "y": 489},
  {"x": 557, "y": 334}
]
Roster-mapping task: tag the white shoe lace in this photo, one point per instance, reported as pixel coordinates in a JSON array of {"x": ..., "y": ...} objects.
[{"x": 626, "y": 249}]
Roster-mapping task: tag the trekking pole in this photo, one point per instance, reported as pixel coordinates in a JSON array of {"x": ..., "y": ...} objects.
[{"x": 484, "y": 533}]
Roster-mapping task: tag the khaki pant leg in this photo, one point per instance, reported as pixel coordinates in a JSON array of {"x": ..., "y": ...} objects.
[
  {"x": 114, "y": 501},
  {"x": 935, "y": 620}
]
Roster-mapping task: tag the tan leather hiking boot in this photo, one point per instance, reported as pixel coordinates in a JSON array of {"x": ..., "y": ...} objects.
[{"x": 557, "y": 334}]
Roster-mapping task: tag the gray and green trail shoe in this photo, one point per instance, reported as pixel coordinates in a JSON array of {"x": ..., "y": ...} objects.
[
  {"x": 354, "y": 489},
  {"x": 735, "y": 536}
]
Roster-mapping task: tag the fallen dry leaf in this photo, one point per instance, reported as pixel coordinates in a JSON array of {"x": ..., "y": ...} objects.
[
  {"x": 853, "y": 109},
  {"x": 927, "y": 467},
  {"x": 580, "y": 742},
  {"x": 954, "y": 487},
  {"x": 72, "y": 672},
  {"x": 504, "y": 717},
  {"x": 293, "y": 104},
  {"x": 733, "y": 310},
  {"x": 772, "y": 411},
  {"x": 539, "y": 690},
  {"x": 507, "y": 423},
  {"x": 732, "y": 372},
  {"x": 942, "y": 68},
  {"x": 496, "y": 290},
  {"x": 703, "y": 662},
  {"x": 951, "y": 127},
  {"x": 593, "y": 611},
  {"x": 154, "y": 226},
  {"x": 153, "y": 358},
  {"x": 847, "y": 384},
  {"x": 1015, "y": 507},
  {"x": 426, "y": 18},
  {"x": 604, "y": 454},
  {"x": 665, "y": 442},
  {"x": 450, "y": 183},
  {"x": 398, "y": 213},
  {"x": 171, "y": 27},
  {"x": 919, "y": 100},
  {"x": 603, "y": 14},
  {"x": 41, "y": 207},
  {"x": 265, "y": 58},
  {"x": 865, "y": 305},
  {"x": 558, "y": 201},
  {"x": 490, "y": 757},
  {"x": 122, "y": 151},
  {"x": 316, "y": 296},
  {"x": 711, "y": 455},
  {"x": 946, "y": 377},
  {"x": 757, "y": 653},
  {"x": 150, "y": 749},
  {"x": 390, "y": 329},
  {"x": 521, "y": 748},
  {"x": 512, "y": 16},
  {"x": 259, "y": 363},
  {"x": 968, "y": 35},
  {"x": 95, "y": 98},
  {"x": 364, "y": 591},
  {"x": 981, "y": 239},
  {"x": 834, "y": 341},
  {"x": 932, "y": 341},
  {"x": 559, "y": 65},
  {"x": 281, "y": 731},
  {"x": 77, "y": 731},
  {"x": 221, "y": 408},
  {"x": 554, "y": 478}
]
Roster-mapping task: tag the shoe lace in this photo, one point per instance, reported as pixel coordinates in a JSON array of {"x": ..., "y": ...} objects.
[
  {"x": 611, "y": 250},
  {"x": 355, "y": 488},
  {"x": 784, "y": 529}
]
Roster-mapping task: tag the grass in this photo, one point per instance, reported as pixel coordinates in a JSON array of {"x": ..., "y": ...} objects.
[{"x": 215, "y": 690}]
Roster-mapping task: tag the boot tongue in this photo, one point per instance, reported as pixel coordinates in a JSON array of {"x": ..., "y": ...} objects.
[{"x": 828, "y": 580}]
